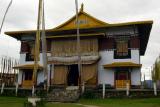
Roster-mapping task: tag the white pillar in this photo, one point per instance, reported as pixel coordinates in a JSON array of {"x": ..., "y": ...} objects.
[
  {"x": 33, "y": 91},
  {"x": 103, "y": 90},
  {"x": 127, "y": 89},
  {"x": 155, "y": 88},
  {"x": 2, "y": 88},
  {"x": 83, "y": 87},
  {"x": 16, "y": 88}
]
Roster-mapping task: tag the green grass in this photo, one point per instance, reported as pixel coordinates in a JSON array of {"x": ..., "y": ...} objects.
[
  {"x": 62, "y": 105},
  {"x": 12, "y": 102},
  {"x": 148, "y": 102}
]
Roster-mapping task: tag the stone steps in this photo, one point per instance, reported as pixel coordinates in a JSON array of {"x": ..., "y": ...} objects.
[{"x": 70, "y": 94}]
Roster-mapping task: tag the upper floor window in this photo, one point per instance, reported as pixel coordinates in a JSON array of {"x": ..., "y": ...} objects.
[
  {"x": 122, "y": 47},
  {"x": 30, "y": 52}
]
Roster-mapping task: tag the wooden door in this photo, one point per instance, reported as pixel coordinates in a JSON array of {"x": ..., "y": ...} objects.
[{"x": 122, "y": 78}]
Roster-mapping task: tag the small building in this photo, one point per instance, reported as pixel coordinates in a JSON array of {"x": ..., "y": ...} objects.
[{"x": 110, "y": 53}]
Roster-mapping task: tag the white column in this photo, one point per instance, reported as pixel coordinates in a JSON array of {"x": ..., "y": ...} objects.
[
  {"x": 103, "y": 93},
  {"x": 33, "y": 91},
  {"x": 16, "y": 88},
  {"x": 2, "y": 88},
  {"x": 83, "y": 87},
  {"x": 127, "y": 89},
  {"x": 155, "y": 88}
]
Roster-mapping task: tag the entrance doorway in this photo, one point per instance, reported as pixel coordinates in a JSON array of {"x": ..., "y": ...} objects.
[
  {"x": 73, "y": 75},
  {"x": 27, "y": 78},
  {"x": 122, "y": 78}
]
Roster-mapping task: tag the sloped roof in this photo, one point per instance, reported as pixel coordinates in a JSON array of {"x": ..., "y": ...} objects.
[{"x": 86, "y": 21}]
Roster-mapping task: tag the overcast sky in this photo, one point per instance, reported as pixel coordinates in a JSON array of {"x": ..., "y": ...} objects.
[{"x": 23, "y": 16}]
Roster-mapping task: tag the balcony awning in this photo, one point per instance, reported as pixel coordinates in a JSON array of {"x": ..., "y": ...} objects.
[
  {"x": 73, "y": 60},
  {"x": 122, "y": 64},
  {"x": 27, "y": 66}
]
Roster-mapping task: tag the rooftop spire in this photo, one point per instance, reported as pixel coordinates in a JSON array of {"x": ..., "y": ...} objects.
[{"x": 82, "y": 5}]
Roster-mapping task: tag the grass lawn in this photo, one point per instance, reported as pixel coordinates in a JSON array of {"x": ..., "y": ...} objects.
[
  {"x": 148, "y": 102},
  {"x": 11, "y": 102}
]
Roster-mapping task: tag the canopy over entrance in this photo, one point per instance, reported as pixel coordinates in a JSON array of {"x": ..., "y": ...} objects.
[
  {"x": 27, "y": 66},
  {"x": 122, "y": 64}
]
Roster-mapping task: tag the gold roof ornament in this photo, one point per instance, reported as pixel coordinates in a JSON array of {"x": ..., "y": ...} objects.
[{"x": 82, "y": 6}]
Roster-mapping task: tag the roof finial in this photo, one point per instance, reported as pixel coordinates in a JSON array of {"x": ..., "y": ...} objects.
[{"x": 82, "y": 7}]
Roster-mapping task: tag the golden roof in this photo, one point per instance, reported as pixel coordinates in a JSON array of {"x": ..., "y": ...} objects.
[{"x": 85, "y": 21}]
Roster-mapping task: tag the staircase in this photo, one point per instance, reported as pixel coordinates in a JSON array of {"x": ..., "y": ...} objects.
[{"x": 70, "y": 94}]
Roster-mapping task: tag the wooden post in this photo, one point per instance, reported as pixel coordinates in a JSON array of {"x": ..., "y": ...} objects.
[
  {"x": 103, "y": 93},
  {"x": 155, "y": 88},
  {"x": 127, "y": 89},
  {"x": 16, "y": 88},
  {"x": 2, "y": 88},
  {"x": 37, "y": 46}
]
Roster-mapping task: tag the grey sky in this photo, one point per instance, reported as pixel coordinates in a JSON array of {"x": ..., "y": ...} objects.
[{"x": 23, "y": 16}]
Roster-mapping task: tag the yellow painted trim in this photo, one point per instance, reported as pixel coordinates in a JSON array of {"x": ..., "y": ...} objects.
[
  {"x": 122, "y": 64},
  {"x": 82, "y": 35},
  {"x": 27, "y": 66}
]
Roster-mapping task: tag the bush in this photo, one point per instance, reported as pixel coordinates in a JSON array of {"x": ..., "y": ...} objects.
[
  {"x": 89, "y": 95},
  {"x": 41, "y": 103},
  {"x": 27, "y": 104},
  {"x": 38, "y": 104}
]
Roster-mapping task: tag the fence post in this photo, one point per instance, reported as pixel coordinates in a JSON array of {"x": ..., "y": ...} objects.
[
  {"x": 2, "y": 88},
  {"x": 103, "y": 90},
  {"x": 16, "y": 88},
  {"x": 155, "y": 88},
  {"x": 127, "y": 89}
]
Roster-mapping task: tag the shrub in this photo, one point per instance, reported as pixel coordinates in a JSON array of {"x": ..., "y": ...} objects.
[{"x": 89, "y": 94}]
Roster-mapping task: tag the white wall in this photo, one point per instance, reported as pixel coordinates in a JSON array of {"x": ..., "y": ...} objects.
[
  {"x": 109, "y": 57},
  {"x": 107, "y": 75},
  {"x": 136, "y": 76},
  {"x": 40, "y": 77},
  {"x": 23, "y": 60},
  {"x": 40, "y": 74}
]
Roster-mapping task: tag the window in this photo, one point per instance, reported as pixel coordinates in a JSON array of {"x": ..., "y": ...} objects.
[
  {"x": 122, "y": 47},
  {"x": 30, "y": 53}
]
